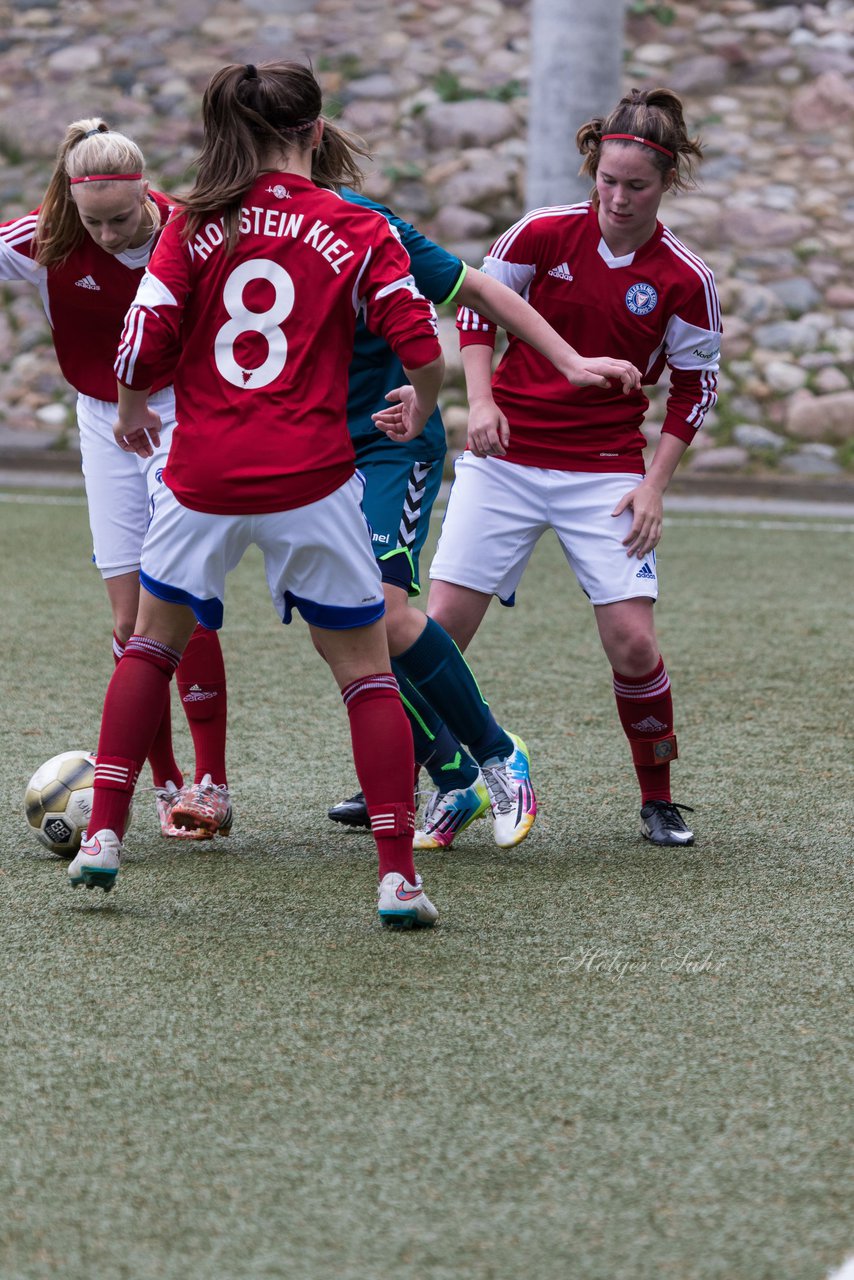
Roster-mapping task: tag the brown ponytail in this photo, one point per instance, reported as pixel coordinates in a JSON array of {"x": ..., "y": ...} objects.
[{"x": 245, "y": 110}]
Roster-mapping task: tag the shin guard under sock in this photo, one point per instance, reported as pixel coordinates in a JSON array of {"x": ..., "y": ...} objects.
[
  {"x": 438, "y": 670},
  {"x": 448, "y": 763},
  {"x": 382, "y": 754},
  {"x": 133, "y": 709},
  {"x": 201, "y": 685},
  {"x": 161, "y": 754},
  {"x": 645, "y": 708}
]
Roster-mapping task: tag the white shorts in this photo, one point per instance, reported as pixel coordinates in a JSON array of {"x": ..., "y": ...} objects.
[
  {"x": 119, "y": 485},
  {"x": 318, "y": 558},
  {"x": 498, "y": 511}
]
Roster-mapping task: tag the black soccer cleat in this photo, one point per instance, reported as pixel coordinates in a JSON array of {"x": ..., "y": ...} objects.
[
  {"x": 663, "y": 824},
  {"x": 352, "y": 812}
]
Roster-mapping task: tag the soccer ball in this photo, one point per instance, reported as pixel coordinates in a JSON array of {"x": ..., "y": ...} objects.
[{"x": 58, "y": 801}]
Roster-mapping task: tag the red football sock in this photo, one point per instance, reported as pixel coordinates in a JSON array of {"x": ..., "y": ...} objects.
[
  {"x": 133, "y": 710},
  {"x": 201, "y": 683},
  {"x": 385, "y": 763},
  {"x": 645, "y": 707},
  {"x": 161, "y": 756}
]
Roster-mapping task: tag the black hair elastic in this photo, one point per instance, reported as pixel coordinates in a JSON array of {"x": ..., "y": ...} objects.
[{"x": 251, "y": 72}]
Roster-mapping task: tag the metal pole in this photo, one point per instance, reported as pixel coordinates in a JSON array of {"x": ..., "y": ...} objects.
[{"x": 576, "y": 73}]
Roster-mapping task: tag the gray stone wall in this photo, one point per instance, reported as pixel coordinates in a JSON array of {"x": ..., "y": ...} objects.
[{"x": 439, "y": 91}]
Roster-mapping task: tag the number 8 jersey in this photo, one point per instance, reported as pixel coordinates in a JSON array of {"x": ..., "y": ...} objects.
[{"x": 259, "y": 342}]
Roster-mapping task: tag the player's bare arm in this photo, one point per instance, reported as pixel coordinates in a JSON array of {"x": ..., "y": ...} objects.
[
  {"x": 503, "y": 306},
  {"x": 138, "y": 427},
  {"x": 488, "y": 434}
]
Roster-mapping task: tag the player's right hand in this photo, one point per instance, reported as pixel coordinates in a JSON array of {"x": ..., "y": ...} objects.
[
  {"x": 403, "y": 418},
  {"x": 488, "y": 430},
  {"x": 140, "y": 435}
]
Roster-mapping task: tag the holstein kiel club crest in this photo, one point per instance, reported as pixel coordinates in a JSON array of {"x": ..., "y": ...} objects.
[{"x": 641, "y": 299}]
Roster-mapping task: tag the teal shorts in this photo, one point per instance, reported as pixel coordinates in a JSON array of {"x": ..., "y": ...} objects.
[{"x": 397, "y": 505}]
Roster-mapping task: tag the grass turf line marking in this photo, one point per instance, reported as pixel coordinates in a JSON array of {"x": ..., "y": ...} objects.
[
  {"x": 795, "y": 526},
  {"x": 43, "y": 499}
]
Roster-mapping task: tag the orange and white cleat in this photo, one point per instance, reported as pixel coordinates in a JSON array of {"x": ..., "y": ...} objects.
[
  {"x": 203, "y": 806},
  {"x": 166, "y": 797}
]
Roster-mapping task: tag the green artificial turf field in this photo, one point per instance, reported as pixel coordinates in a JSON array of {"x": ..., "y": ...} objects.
[{"x": 609, "y": 1061}]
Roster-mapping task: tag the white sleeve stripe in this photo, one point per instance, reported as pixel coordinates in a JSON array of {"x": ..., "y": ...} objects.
[
  {"x": 22, "y": 229},
  {"x": 697, "y": 265},
  {"x": 403, "y": 282},
  {"x": 504, "y": 243},
  {"x": 130, "y": 343},
  {"x": 358, "y": 303},
  {"x": 470, "y": 321},
  {"x": 707, "y": 401}
]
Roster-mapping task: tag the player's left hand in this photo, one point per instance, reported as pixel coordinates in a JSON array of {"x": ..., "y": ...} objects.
[
  {"x": 140, "y": 434},
  {"x": 404, "y": 419},
  {"x": 647, "y": 508}
]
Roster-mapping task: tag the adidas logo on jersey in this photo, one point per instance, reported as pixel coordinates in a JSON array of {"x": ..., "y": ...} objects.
[
  {"x": 86, "y": 282},
  {"x": 645, "y": 572},
  {"x": 562, "y": 272}
]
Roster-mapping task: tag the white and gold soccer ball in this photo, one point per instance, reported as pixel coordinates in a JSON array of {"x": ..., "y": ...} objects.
[{"x": 58, "y": 801}]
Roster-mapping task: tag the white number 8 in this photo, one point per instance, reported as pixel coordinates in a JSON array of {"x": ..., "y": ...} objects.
[{"x": 264, "y": 322}]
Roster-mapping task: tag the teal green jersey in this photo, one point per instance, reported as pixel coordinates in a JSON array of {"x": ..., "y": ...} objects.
[{"x": 376, "y": 370}]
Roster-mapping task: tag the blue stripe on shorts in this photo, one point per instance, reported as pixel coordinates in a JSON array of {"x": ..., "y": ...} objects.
[
  {"x": 208, "y": 612},
  {"x": 333, "y": 617}
]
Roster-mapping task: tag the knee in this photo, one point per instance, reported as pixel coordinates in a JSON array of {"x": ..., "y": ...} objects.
[
  {"x": 633, "y": 653},
  {"x": 627, "y": 632},
  {"x": 123, "y": 626}
]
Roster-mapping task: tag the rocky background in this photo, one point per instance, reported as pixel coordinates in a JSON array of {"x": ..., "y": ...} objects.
[{"x": 439, "y": 90}]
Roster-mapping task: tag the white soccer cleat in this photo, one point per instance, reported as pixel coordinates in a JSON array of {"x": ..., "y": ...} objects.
[
  {"x": 97, "y": 864},
  {"x": 514, "y": 805},
  {"x": 402, "y": 905}
]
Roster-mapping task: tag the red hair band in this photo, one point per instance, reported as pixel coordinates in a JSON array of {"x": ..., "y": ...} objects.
[
  {"x": 107, "y": 177},
  {"x": 633, "y": 137}
]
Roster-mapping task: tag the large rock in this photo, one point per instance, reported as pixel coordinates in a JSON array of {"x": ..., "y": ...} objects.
[
  {"x": 481, "y": 185},
  {"x": 805, "y": 463},
  {"x": 727, "y": 458},
  {"x": 475, "y": 122},
  {"x": 749, "y": 226},
  {"x": 829, "y": 418},
  {"x": 750, "y": 435},
  {"x": 824, "y": 104}
]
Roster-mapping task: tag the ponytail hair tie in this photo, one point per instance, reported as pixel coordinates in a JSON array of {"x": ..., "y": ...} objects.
[{"x": 251, "y": 71}]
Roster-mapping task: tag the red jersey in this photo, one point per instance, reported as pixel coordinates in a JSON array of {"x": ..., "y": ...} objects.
[
  {"x": 85, "y": 299},
  {"x": 258, "y": 342},
  {"x": 656, "y": 307}
]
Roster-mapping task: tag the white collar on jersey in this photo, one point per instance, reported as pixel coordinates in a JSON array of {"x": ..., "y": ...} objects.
[{"x": 607, "y": 256}]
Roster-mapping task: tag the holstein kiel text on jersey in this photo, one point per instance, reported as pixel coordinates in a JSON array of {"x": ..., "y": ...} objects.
[{"x": 278, "y": 224}]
